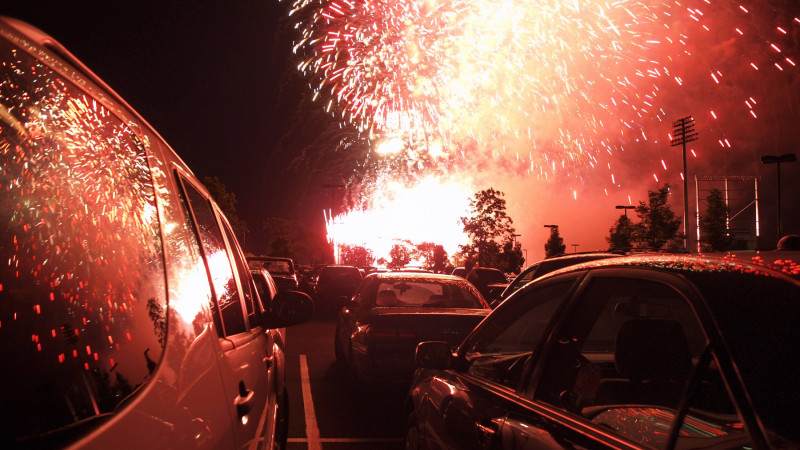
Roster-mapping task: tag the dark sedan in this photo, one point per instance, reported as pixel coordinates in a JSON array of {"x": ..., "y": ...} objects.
[
  {"x": 546, "y": 266},
  {"x": 656, "y": 352},
  {"x": 391, "y": 313}
]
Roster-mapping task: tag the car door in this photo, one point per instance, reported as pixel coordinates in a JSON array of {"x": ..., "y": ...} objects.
[
  {"x": 246, "y": 351},
  {"x": 464, "y": 407},
  {"x": 628, "y": 361}
]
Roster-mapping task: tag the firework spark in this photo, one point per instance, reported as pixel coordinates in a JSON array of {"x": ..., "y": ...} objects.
[{"x": 550, "y": 89}]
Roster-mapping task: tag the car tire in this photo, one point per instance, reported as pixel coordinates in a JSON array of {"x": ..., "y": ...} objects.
[{"x": 412, "y": 440}]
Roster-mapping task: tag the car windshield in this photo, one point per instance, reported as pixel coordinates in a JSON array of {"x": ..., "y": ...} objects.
[
  {"x": 273, "y": 266},
  {"x": 433, "y": 294}
]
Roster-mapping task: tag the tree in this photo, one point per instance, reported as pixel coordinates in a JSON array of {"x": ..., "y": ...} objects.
[
  {"x": 620, "y": 234},
  {"x": 715, "y": 235},
  {"x": 227, "y": 203},
  {"x": 433, "y": 256},
  {"x": 658, "y": 225},
  {"x": 400, "y": 256},
  {"x": 293, "y": 239},
  {"x": 489, "y": 228},
  {"x": 356, "y": 255},
  {"x": 555, "y": 244},
  {"x": 512, "y": 258}
]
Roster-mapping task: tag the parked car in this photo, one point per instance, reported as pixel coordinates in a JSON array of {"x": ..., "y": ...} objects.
[
  {"x": 545, "y": 266},
  {"x": 490, "y": 281},
  {"x": 281, "y": 269},
  {"x": 128, "y": 315},
  {"x": 335, "y": 285},
  {"x": 659, "y": 351},
  {"x": 460, "y": 272},
  {"x": 390, "y": 313}
]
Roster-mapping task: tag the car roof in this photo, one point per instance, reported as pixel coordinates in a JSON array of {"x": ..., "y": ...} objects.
[{"x": 415, "y": 276}]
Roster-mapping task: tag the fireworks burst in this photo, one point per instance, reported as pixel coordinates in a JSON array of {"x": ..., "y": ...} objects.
[{"x": 552, "y": 89}]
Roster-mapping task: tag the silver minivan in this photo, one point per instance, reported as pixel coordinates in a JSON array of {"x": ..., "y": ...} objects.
[{"x": 128, "y": 314}]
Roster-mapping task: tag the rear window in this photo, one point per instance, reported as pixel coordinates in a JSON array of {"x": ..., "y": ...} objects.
[
  {"x": 415, "y": 293},
  {"x": 82, "y": 290},
  {"x": 340, "y": 275}
]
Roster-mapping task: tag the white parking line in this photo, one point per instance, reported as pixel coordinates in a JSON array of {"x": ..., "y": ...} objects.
[{"x": 312, "y": 431}]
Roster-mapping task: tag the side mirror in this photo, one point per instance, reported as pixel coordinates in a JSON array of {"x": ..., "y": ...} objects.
[
  {"x": 290, "y": 308},
  {"x": 433, "y": 355}
]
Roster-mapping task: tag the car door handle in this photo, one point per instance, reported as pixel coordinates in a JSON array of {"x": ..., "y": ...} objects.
[{"x": 243, "y": 400}]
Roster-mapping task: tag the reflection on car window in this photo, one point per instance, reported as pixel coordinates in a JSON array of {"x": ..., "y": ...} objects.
[
  {"x": 83, "y": 307},
  {"x": 424, "y": 293},
  {"x": 228, "y": 307},
  {"x": 501, "y": 347}
]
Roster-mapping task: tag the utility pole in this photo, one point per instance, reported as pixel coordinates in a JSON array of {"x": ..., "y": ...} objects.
[
  {"x": 684, "y": 132},
  {"x": 777, "y": 160}
]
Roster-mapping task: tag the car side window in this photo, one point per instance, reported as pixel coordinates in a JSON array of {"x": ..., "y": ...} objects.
[
  {"x": 499, "y": 350},
  {"x": 227, "y": 312},
  {"x": 624, "y": 357},
  {"x": 244, "y": 274}
]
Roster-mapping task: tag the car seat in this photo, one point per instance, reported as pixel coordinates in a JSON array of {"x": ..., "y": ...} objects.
[{"x": 654, "y": 360}]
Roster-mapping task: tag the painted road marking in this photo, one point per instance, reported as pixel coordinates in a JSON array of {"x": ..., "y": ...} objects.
[{"x": 312, "y": 431}]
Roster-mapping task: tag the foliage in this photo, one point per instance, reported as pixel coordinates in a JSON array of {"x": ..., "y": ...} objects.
[
  {"x": 620, "y": 235},
  {"x": 433, "y": 256},
  {"x": 227, "y": 203},
  {"x": 400, "y": 255},
  {"x": 555, "y": 244},
  {"x": 658, "y": 225},
  {"x": 512, "y": 258},
  {"x": 293, "y": 239},
  {"x": 489, "y": 230},
  {"x": 356, "y": 255},
  {"x": 715, "y": 235}
]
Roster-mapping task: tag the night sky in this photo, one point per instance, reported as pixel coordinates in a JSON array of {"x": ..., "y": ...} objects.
[{"x": 219, "y": 81}]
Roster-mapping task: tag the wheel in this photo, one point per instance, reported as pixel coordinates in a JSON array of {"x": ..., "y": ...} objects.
[{"x": 412, "y": 441}]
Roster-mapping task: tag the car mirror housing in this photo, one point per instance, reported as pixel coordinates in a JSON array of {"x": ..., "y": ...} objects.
[
  {"x": 433, "y": 355},
  {"x": 290, "y": 308}
]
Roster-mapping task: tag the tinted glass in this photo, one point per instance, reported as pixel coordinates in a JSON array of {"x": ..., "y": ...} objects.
[
  {"x": 758, "y": 317},
  {"x": 499, "y": 350},
  {"x": 228, "y": 306},
  {"x": 624, "y": 357},
  {"x": 244, "y": 274},
  {"x": 82, "y": 290}
]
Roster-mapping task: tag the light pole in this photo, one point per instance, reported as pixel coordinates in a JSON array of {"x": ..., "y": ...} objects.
[
  {"x": 526, "y": 257},
  {"x": 514, "y": 238},
  {"x": 575, "y": 248},
  {"x": 626, "y": 208},
  {"x": 773, "y": 159}
]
